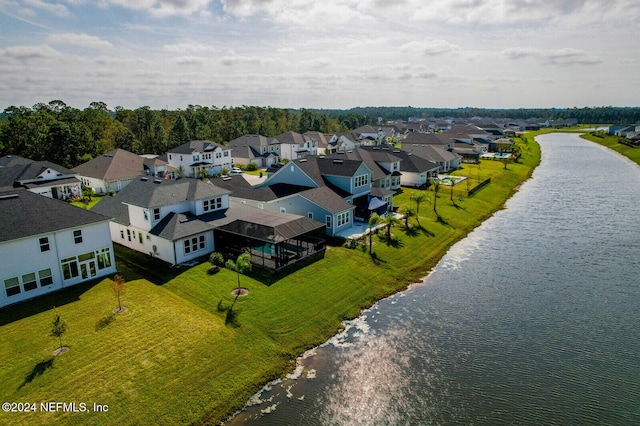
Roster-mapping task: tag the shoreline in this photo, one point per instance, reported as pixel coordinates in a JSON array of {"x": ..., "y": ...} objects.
[{"x": 432, "y": 263}]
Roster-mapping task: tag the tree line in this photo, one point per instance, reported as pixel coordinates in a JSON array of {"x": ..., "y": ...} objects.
[
  {"x": 587, "y": 115},
  {"x": 69, "y": 136}
]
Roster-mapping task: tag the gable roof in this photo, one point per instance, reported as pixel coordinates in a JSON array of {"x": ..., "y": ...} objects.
[
  {"x": 114, "y": 165},
  {"x": 290, "y": 138},
  {"x": 249, "y": 140},
  {"x": 427, "y": 138},
  {"x": 26, "y": 214},
  {"x": 430, "y": 152},
  {"x": 411, "y": 163},
  {"x": 195, "y": 145},
  {"x": 372, "y": 158}
]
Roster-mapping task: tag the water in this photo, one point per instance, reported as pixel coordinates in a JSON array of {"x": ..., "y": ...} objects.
[{"x": 533, "y": 319}]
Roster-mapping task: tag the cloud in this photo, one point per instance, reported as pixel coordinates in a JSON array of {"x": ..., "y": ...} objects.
[
  {"x": 562, "y": 57},
  {"x": 82, "y": 40},
  {"x": 29, "y": 54},
  {"x": 232, "y": 59},
  {"x": 189, "y": 47},
  {"x": 162, "y": 8},
  {"x": 49, "y": 8},
  {"x": 429, "y": 47}
]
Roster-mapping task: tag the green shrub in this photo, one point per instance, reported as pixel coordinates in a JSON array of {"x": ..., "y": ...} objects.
[{"x": 216, "y": 259}]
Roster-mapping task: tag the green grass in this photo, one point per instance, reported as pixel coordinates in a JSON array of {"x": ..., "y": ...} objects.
[
  {"x": 171, "y": 359},
  {"x": 613, "y": 142},
  {"x": 95, "y": 199}
]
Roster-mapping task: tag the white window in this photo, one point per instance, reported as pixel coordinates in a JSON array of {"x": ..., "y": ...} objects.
[
  {"x": 342, "y": 219},
  {"x": 361, "y": 180},
  {"x": 12, "y": 286},
  {"x": 45, "y": 277},
  {"x": 146, "y": 215},
  {"x": 29, "y": 281},
  {"x": 44, "y": 244},
  {"x": 194, "y": 244},
  {"x": 212, "y": 204},
  {"x": 226, "y": 153}
]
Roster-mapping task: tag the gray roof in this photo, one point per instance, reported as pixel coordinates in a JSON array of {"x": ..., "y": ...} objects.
[
  {"x": 371, "y": 156},
  {"x": 175, "y": 226},
  {"x": 13, "y": 160},
  {"x": 412, "y": 163},
  {"x": 429, "y": 152},
  {"x": 249, "y": 140},
  {"x": 114, "y": 165},
  {"x": 291, "y": 138},
  {"x": 327, "y": 198},
  {"x": 26, "y": 214},
  {"x": 427, "y": 138},
  {"x": 197, "y": 145}
]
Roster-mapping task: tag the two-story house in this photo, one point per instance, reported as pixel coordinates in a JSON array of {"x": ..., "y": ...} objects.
[
  {"x": 294, "y": 145},
  {"x": 47, "y": 245},
  {"x": 199, "y": 158},
  {"x": 254, "y": 149}
]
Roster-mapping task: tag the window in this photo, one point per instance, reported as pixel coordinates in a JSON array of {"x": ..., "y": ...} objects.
[
  {"x": 156, "y": 214},
  {"x": 45, "y": 277},
  {"x": 310, "y": 215},
  {"x": 29, "y": 281},
  {"x": 342, "y": 218},
  {"x": 194, "y": 244},
  {"x": 128, "y": 234},
  {"x": 187, "y": 247},
  {"x": 44, "y": 244},
  {"x": 12, "y": 286},
  {"x": 77, "y": 236},
  {"x": 226, "y": 153},
  {"x": 212, "y": 204},
  {"x": 202, "y": 243},
  {"x": 146, "y": 215},
  {"x": 218, "y": 155},
  {"x": 283, "y": 210},
  {"x": 122, "y": 233},
  {"x": 328, "y": 221},
  {"x": 361, "y": 180},
  {"x": 69, "y": 268},
  {"x": 140, "y": 237},
  {"x": 104, "y": 258}
]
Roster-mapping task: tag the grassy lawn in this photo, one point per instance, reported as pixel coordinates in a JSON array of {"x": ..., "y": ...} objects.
[
  {"x": 613, "y": 142},
  {"x": 95, "y": 199},
  {"x": 177, "y": 357}
]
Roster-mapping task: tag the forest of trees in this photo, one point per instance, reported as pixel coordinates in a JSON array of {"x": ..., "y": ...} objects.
[{"x": 70, "y": 136}]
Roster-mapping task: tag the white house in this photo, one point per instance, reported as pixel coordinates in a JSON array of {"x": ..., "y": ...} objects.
[
  {"x": 294, "y": 145},
  {"x": 254, "y": 149},
  {"x": 200, "y": 157},
  {"x": 164, "y": 218},
  {"x": 47, "y": 245}
]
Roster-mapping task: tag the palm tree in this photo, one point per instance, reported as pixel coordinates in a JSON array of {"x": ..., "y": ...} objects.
[
  {"x": 241, "y": 265},
  {"x": 418, "y": 197},
  {"x": 389, "y": 220},
  {"x": 409, "y": 212},
  {"x": 374, "y": 219},
  {"x": 436, "y": 188}
]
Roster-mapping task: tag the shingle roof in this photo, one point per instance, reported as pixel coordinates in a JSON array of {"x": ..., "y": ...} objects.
[
  {"x": 426, "y": 138},
  {"x": 175, "y": 226},
  {"x": 13, "y": 160},
  {"x": 114, "y": 165},
  {"x": 292, "y": 138},
  {"x": 196, "y": 145},
  {"x": 327, "y": 198},
  {"x": 26, "y": 214}
]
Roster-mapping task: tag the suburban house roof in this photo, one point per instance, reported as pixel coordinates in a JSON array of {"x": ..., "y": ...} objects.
[
  {"x": 321, "y": 138},
  {"x": 429, "y": 152},
  {"x": 427, "y": 138},
  {"x": 25, "y": 214},
  {"x": 17, "y": 171},
  {"x": 290, "y": 138},
  {"x": 249, "y": 140},
  {"x": 114, "y": 165},
  {"x": 196, "y": 145},
  {"x": 372, "y": 158},
  {"x": 411, "y": 163},
  {"x": 13, "y": 160},
  {"x": 327, "y": 199},
  {"x": 175, "y": 226}
]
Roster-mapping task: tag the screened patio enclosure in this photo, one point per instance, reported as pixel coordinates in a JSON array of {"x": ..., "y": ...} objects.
[{"x": 274, "y": 240}]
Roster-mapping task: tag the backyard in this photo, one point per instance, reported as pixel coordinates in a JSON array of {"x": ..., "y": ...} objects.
[{"x": 179, "y": 356}]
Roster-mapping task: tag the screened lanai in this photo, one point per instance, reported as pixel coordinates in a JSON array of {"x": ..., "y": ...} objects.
[{"x": 274, "y": 240}]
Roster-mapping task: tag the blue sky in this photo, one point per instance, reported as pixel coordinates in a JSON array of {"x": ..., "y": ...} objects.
[{"x": 320, "y": 54}]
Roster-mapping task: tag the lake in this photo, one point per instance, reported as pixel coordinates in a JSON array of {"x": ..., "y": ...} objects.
[{"x": 532, "y": 319}]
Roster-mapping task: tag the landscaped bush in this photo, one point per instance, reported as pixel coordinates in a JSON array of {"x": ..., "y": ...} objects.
[
  {"x": 216, "y": 259},
  {"x": 252, "y": 167}
]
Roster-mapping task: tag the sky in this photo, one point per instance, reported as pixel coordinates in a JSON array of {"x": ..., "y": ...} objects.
[{"x": 320, "y": 54}]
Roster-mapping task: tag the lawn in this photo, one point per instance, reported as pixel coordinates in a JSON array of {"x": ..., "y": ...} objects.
[
  {"x": 95, "y": 199},
  {"x": 177, "y": 356},
  {"x": 613, "y": 142}
]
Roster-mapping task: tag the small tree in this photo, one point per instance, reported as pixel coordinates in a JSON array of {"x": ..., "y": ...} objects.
[
  {"x": 389, "y": 221},
  {"x": 119, "y": 288},
  {"x": 418, "y": 198},
  {"x": 374, "y": 219},
  {"x": 241, "y": 265},
  {"x": 409, "y": 212},
  {"x": 436, "y": 189},
  {"x": 58, "y": 328}
]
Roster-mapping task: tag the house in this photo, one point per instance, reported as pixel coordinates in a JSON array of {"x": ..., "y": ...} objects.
[
  {"x": 385, "y": 167},
  {"x": 256, "y": 149},
  {"x": 468, "y": 133},
  {"x": 110, "y": 172},
  {"x": 445, "y": 160},
  {"x": 47, "y": 245},
  {"x": 179, "y": 221},
  {"x": 294, "y": 145},
  {"x": 344, "y": 142},
  {"x": 41, "y": 177},
  {"x": 322, "y": 140},
  {"x": 199, "y": 158},
  {"x": 415, "y": 171},
  {"x": 440, "y": 140},
  {"x": 157, "y": 166}
]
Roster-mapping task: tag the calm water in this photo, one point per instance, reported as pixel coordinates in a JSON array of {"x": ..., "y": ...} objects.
[{"x": 533, "y": 319}]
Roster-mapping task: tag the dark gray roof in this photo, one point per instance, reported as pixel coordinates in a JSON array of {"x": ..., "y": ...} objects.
[
  {"x": 316, "y": 167},
  {"x": 292, "y": 138},
  {"x": 249, "y": 140},
  {"x": 34, "y": 169},
  {"x": 426, "y": 138},
  {"x": 114, "y": 165},
  {"x": 26, "y": 214},
  {"x": 327, "y": 199},
  {"x": 13, "y": 160},
  {"x": 175, "y": 226},
  {"x": 152, "y": 192},
  {"x": 55, "y": 182},
  {"x": 372, "y": 156},
  {"x": 412, "y": 163},
  {"x": 198, "y": 145}
]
